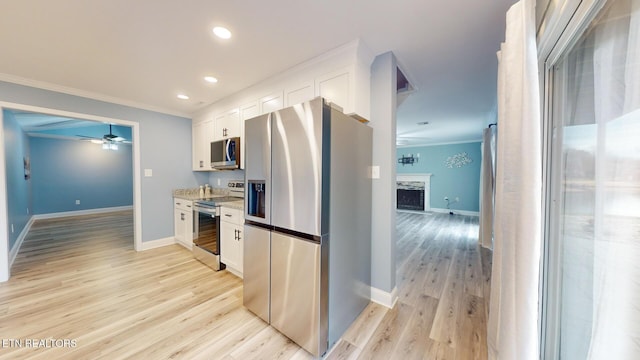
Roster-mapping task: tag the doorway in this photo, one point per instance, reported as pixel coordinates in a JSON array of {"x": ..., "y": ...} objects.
[{"x": 135, "y": 150}]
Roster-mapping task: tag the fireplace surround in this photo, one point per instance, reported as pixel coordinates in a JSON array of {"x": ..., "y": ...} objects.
[{"x": 413, "y": 192}]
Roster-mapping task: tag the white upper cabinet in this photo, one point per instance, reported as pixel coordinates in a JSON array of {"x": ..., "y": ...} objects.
[
  {"x": 342, "y": 76},
  {"x": 227, "y": 125},
  {"x": 271, "y": 102},
  {"x": 297, "y": 94},
  {"x": 247, "y": 111},
  {"x": 201, "y": 137},
  {"x": 337, "y": 87}
]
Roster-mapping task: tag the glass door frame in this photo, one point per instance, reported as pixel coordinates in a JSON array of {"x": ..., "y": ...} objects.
[{"x": 567, "y": 26}]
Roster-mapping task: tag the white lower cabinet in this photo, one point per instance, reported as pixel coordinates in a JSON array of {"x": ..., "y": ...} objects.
[
  {"x": 232, "y": 239},
  {"x": 183, "y": 222}
]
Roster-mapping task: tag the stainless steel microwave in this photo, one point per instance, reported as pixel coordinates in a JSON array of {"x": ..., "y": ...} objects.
[{"x": 225, "y": 154}]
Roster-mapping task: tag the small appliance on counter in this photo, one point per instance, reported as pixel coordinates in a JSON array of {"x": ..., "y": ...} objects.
[{"x": 206, "y": 225}]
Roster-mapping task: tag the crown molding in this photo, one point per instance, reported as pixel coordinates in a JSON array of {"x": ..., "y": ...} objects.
[{"x": 87, "y": 94}]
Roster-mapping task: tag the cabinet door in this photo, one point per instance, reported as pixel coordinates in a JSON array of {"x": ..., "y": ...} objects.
[
  {"x": 202, "y": 135},
  {"x": 229, "y": 252},
  {"x": 297, "y": 94},
  {"x": 247, "y": 111},
  {"x": 271, "y": 102},
  {"x": 240, "y": 239},
  {"x": 187, "y": 236},
  {"x": 227, "y": 125},
  {"x": 178, "y": 230},
  {"x": 336, "y": 87}
]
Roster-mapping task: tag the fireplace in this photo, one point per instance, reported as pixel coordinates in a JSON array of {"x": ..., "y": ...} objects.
[
  {"x": 412, "y": 192},
  {"x": 410, "y": 195}
]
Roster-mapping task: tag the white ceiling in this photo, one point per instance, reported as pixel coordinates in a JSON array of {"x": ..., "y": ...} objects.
[{"x": 144, "y": 52}]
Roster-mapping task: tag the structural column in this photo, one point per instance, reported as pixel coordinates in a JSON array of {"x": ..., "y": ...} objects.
[{"x": 383, "y": 216}]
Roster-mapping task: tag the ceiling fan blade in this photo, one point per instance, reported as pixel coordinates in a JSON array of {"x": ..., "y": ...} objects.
[{"x": 88, "y": 137}]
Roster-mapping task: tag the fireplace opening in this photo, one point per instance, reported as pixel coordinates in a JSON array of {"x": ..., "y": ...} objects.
[{"x": 410, "y": 195}]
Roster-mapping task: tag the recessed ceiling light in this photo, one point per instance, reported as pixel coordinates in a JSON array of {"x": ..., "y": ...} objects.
[
  {"x": 222, "y": 32},
  {"x": 183, "y": 97},
  {"x": 210, "y": 79}
]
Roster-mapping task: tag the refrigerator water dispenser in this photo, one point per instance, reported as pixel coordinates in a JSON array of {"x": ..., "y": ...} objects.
[{"x": 256, "y": 199}]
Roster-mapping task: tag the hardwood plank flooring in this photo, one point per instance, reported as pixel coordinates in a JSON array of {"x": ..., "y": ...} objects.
[{"x": 80, "y": 291}]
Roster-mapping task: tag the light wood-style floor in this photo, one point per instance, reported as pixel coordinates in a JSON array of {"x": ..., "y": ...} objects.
[{"x": 79, "y": 291}]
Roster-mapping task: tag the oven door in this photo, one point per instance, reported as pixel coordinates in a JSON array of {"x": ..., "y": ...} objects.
[{"x": 206, "y": 237}]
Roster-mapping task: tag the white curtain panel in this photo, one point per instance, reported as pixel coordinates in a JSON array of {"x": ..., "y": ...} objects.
[
  {"x": 616, "y": 255},
  {"x": 513, "y": 313},
  {"x": 486, "y": 191}
]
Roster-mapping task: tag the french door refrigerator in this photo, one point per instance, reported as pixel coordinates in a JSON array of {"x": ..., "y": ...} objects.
[{"x": 307, "y": 250}]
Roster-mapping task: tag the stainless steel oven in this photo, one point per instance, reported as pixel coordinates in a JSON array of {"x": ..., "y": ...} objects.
[{"x": 206, "y": 237}]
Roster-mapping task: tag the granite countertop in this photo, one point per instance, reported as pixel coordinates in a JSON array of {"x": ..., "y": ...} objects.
[
  {"x": 238, "y": 205},
  {"x": 194, "y": 194}
]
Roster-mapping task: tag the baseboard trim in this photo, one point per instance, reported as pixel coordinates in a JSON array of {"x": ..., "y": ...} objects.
[
  {"x": 456, "y": 212},
  {"x": 16, "y": 246},
  {"x": 384, "y": 298},
  {"x": 81, "y": 212},
  {"x": 154, "y": 244}
]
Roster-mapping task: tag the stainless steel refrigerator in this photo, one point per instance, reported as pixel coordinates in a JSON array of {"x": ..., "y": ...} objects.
[{"x": 307, "y": 251}]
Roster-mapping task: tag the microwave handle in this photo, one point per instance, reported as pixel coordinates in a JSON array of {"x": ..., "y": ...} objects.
[{"x": 227, "y": 150}]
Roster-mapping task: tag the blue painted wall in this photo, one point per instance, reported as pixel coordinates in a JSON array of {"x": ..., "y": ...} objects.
[
  {"x": 165, "y": 147},
  {"x": 64, "y": 171},
  {"x": 463, "y": 182},
  {"x": 18, "y": 188}
]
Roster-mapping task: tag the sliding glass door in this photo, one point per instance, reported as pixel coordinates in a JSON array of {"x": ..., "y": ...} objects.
[{"x": 592, "y": 263}]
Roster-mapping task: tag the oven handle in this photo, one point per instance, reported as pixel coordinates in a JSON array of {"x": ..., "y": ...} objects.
[{"x": 212, "y": 212}]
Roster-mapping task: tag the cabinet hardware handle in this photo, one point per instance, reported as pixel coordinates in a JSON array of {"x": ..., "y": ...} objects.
[{"x": 228, "y": 215}]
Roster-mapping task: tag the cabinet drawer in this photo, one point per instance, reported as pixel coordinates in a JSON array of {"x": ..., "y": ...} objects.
[
  {"x": 186, "y": 205},
  {"x": 234, "y": 216}
]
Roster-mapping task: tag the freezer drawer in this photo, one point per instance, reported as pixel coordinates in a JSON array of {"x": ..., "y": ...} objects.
[
  {"x": 257, "y": 263},
  {"x": 296, "y": 291}
]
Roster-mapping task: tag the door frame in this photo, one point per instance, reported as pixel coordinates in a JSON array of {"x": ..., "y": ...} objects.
[
  {"x": 566, "y": 27},
  {"x": 5, "y": 266}
]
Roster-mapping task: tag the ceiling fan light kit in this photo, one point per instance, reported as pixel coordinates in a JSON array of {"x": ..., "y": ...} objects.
[{"x": 109, "y": 141}]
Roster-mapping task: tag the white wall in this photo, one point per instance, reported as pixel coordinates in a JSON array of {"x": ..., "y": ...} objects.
[{"x": 383, "y": 122}]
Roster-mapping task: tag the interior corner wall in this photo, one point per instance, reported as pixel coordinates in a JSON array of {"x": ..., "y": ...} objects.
[
  {"x": 63, "y": 171},
  {"x": 462, "y": 182},
  {"x": 164, "y": 148},
  {"x": 18, "y": 188},
  {"x": 383, "y": 217}
]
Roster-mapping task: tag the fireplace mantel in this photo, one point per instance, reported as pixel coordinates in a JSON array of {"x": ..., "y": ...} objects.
[{"x": 426, "y": 179}]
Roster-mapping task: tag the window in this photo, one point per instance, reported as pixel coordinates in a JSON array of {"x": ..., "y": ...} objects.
[{"x": 592, "y": 264}]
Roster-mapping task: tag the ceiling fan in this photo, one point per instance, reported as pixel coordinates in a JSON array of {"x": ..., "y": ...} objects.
[{"x": 108, "y": 141}]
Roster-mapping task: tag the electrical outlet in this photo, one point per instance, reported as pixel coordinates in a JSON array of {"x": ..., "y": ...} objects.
[
  {"x": 12, "y": 231},
  {"x": 77, "y": 202},
  {"x": 457, "y": 199},
  {"x": 219, "y": 182},
  {"x": 27, "y": 211},
  {"x": 446, "y": 198}
]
